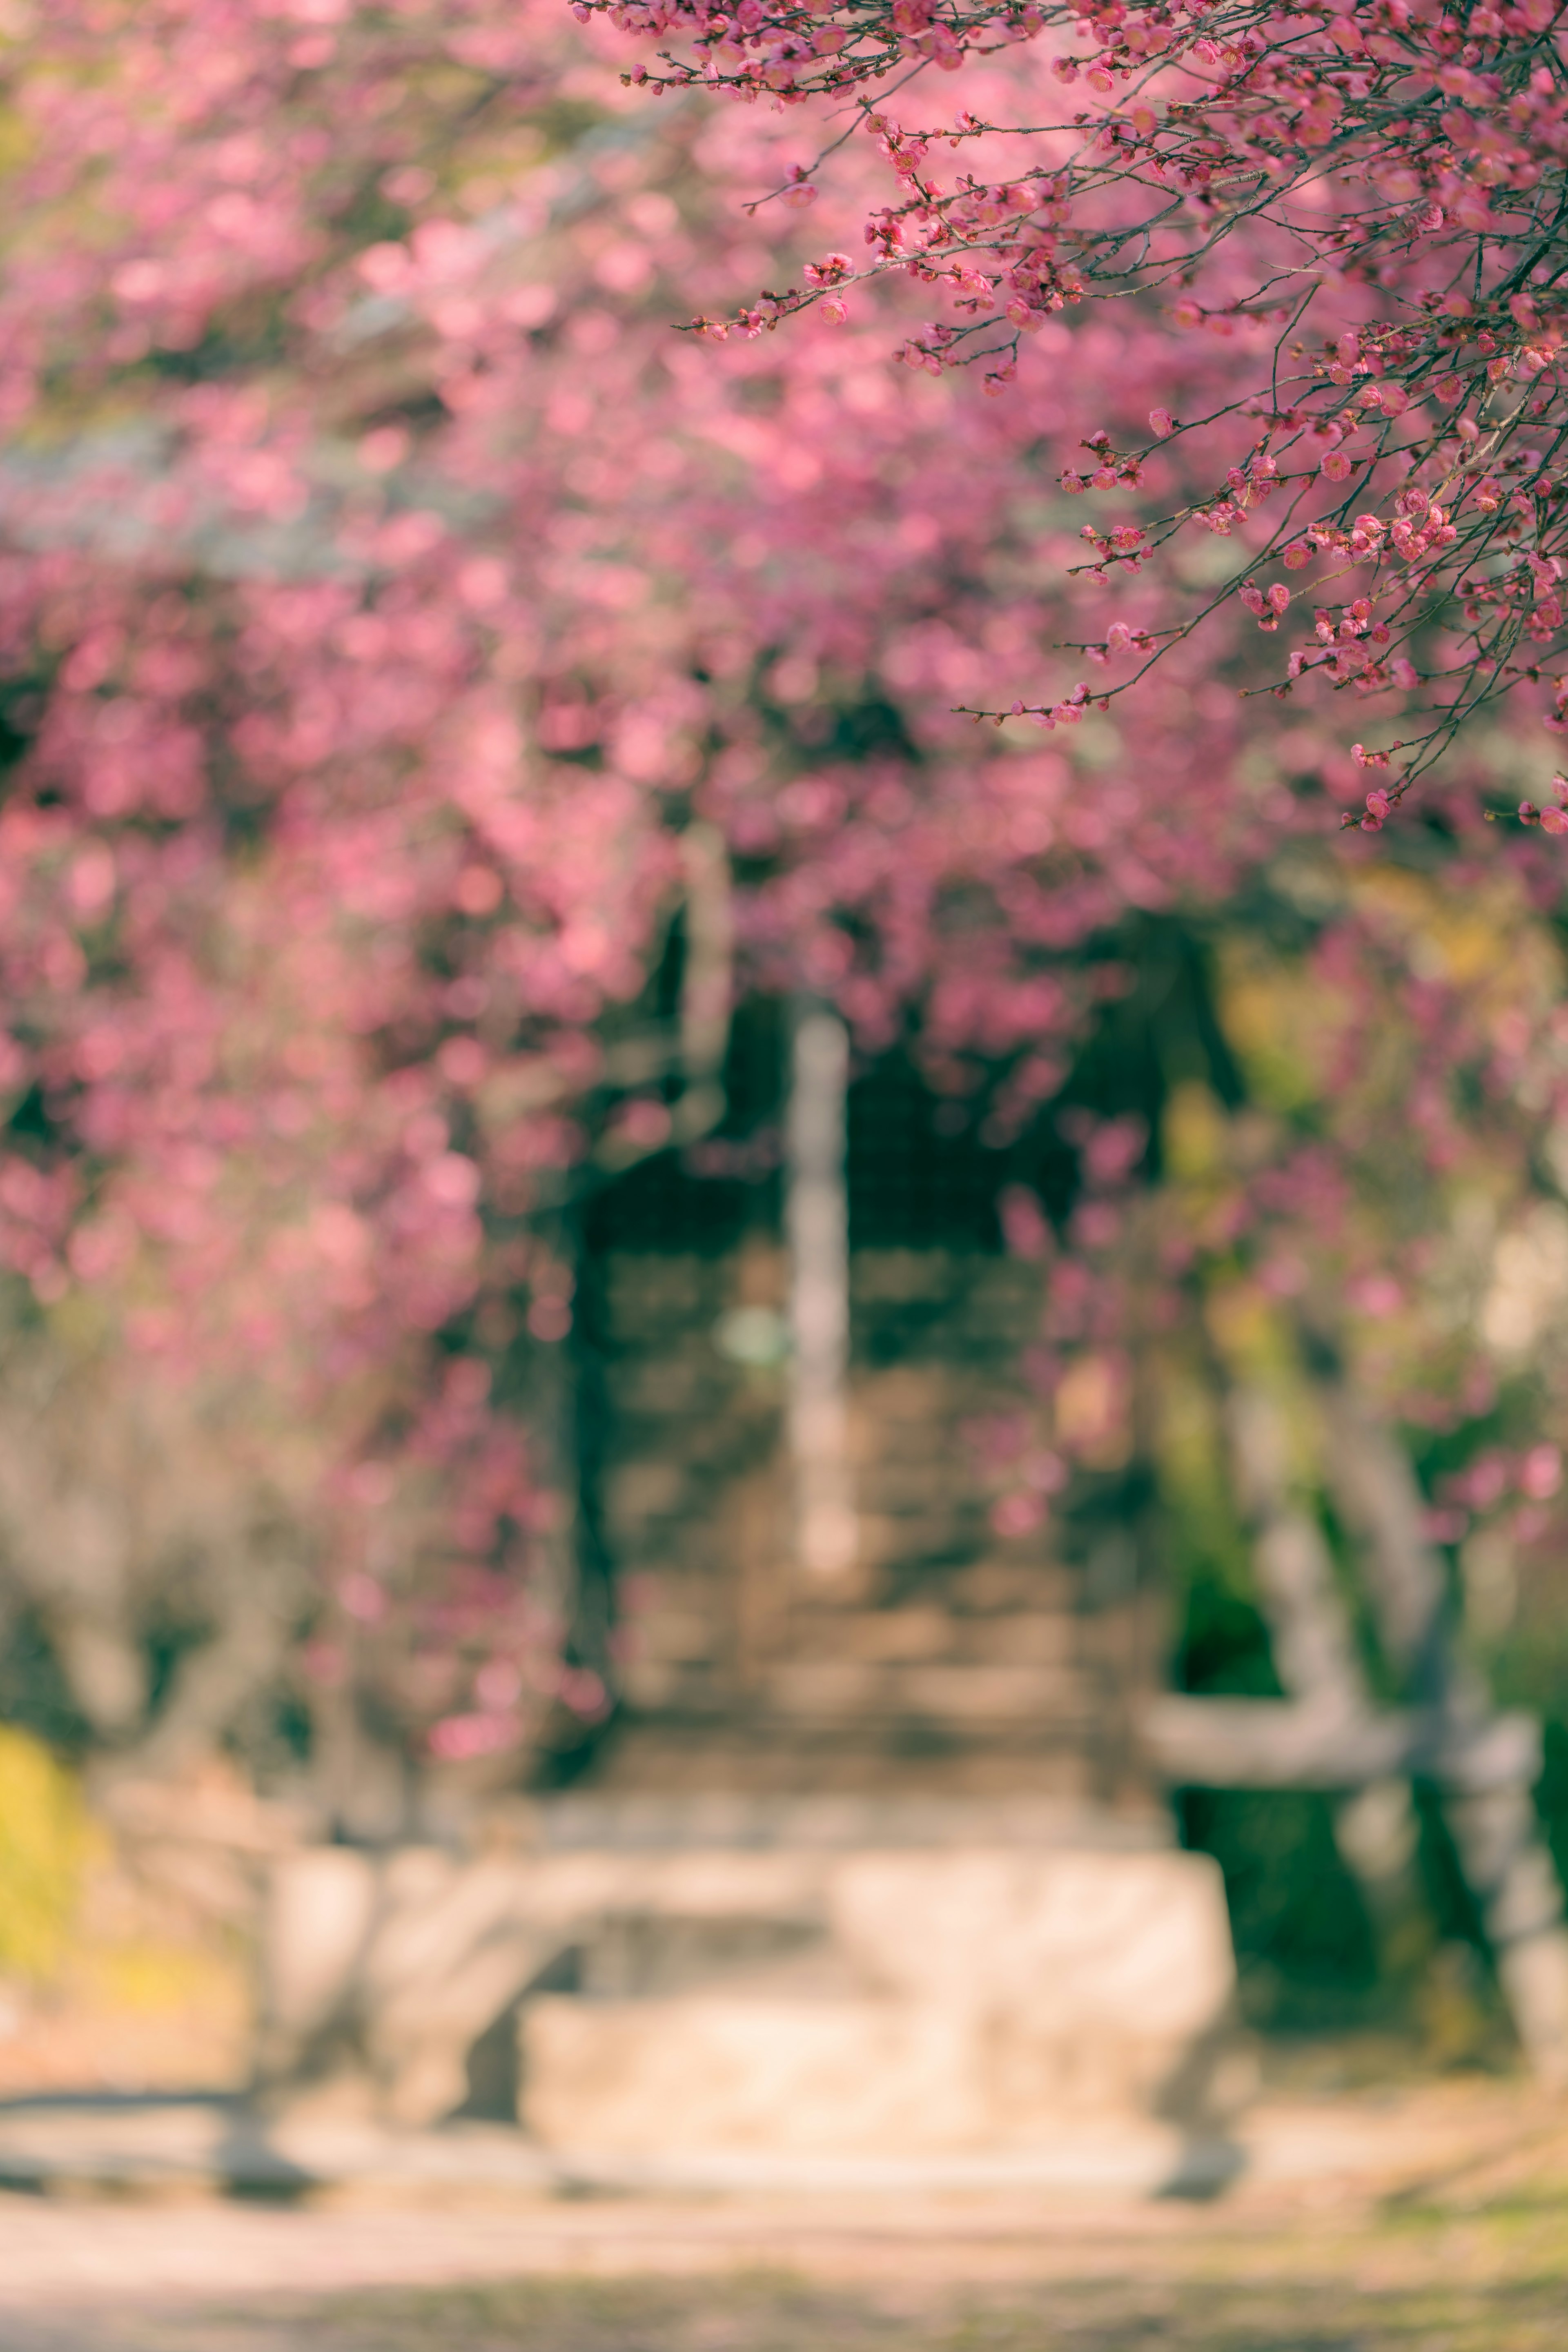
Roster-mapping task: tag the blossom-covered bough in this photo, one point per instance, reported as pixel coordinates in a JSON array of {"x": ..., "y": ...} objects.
[{"x": 1364, "y": 202}]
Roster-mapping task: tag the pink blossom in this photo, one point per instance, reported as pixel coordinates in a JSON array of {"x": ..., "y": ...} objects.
[{"x": 381, "y": 699}]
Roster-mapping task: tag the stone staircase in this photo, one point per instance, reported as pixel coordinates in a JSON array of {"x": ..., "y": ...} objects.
[{"x": 953, "y": 1660}]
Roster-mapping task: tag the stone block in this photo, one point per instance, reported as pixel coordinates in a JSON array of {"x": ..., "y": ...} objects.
[
  {"x": 1080, "y": 1942},
  {"x": 315, "y": 1932},
  {"x": 670, "y": 2078}
]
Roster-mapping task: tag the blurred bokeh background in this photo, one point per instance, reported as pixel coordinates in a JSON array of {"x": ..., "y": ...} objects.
[{"x": 606, "y": 1205}]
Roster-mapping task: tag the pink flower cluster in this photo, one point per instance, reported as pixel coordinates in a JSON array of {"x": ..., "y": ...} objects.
[
  {"x": 405, "y": 639},
  {"x": 1342, "y": 203}
]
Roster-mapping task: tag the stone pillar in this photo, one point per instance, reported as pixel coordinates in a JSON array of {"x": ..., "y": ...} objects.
[{"x": 817, "y": 1218}]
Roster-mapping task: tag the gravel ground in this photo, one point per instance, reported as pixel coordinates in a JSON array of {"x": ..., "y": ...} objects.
[
  {"x": 1496, "y": 2283},
  {"x": 1463, "y": 2249}
]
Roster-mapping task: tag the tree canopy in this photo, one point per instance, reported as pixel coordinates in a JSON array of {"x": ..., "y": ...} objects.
[{"x": 435, "y": 690}]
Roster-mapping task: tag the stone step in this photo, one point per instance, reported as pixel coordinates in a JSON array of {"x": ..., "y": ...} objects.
[
  {"x": 978, "y": 1586},
  {"x": 935, "y": 1635},
  {"x": 940, "y": 1691},
  {"x": 875, "y": 1703},
  {"x": 826, "y": 2079},
  {"x": 931, "y": 1478},
  {"x": 633, "y": 1820},
  {"x": 939, "y": 1538},
  {"x": 981, "y": 2000},
  {"x": 777, "y": 1756},
  {"x": 993, "y": 1585}
]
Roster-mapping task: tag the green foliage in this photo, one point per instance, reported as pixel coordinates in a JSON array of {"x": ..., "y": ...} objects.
[
  {"x": 35, "y": 1696},
  {"x": 43, "y": 1838}
]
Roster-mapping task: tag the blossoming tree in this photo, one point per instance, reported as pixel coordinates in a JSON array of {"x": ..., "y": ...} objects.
[
  {"x": 435, "y": 689},
  {"x": 1361, "y": 201}
]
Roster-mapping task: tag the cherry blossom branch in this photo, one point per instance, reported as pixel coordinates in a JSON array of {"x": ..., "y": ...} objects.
[{"x": 1412, "y": 154}]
